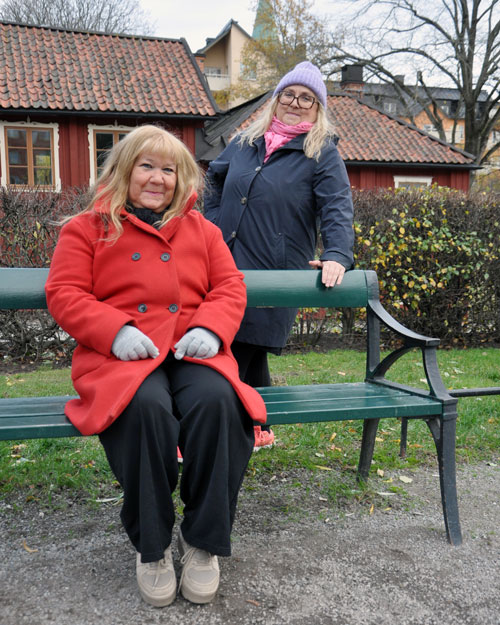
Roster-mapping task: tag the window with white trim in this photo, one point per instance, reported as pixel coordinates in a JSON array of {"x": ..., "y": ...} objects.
[
  {"x": 101, "y": 140},
  {"x": 29, "y": 156},
  {"x": 408, "y": 182}
]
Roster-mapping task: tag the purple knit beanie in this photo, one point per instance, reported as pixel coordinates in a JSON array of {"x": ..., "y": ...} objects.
[{"x": 305, "y": 74}]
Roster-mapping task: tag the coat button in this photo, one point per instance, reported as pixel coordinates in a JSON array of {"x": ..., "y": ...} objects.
[
  {"x": 142, "y": 308},
  {"x": 165, "y": 257},
  {"x": 233, "y": 234},
  {"x": 243, "y": 200},
  {"x": 258, "y": 168},
  {"x": 173, "y": 308},
  {"x": 136, "y": 256}
]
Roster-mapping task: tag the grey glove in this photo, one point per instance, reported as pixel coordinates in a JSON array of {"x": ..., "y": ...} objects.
[
  {"x": 197, "y": 343},
  {"x": 132, "y": 344}
]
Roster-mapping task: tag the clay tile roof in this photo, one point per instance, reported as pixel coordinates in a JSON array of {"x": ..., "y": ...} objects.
[
  {"x": 55, "y": 69},
  {"x": 367, "y": 135}
]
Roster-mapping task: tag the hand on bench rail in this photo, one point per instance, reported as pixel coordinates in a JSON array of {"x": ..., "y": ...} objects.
[{"x": 333, "y": 272}]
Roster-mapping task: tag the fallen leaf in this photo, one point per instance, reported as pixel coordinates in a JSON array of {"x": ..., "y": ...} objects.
[
  {"x": 323, "y": 499},
  {"x": 318, "y": 455},
  {"x": 28, "y": 549},
  {"x": 416, "y": 445},
  {"x": 406, "y": 480},
  {"x": 341, "y": 372},
  {"x": 389, "y": 481},
  {"x": 379, "y": 440},
  {"x": 253, "y": 602},
  {"x": 380, "y": 472},
  {"x": 332, "y": 437},
  {"x": 372, "y": 508},
  {"x": 318, "y": 466}
]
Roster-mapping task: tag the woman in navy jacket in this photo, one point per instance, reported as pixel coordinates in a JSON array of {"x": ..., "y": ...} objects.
[{"x": 268, "y": 191}]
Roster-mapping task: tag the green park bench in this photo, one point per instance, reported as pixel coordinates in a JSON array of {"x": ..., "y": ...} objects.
[{"x": 373, "y": 399}]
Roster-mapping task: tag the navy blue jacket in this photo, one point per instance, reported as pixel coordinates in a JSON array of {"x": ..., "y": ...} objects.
[{"x": 269, "y": 215}]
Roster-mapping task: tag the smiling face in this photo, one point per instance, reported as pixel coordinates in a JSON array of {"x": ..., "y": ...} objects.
[
  {"x": 152, "y": 182},
  {"x": 292, "y": 114}
]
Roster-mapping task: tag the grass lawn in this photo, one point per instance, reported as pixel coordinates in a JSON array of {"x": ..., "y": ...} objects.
[{"x": 46, "y": 466}]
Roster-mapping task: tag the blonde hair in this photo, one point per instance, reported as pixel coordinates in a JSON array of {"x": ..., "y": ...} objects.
[
  {"x": 113, "y": 183},
  {"x": 322, "y": 131}
]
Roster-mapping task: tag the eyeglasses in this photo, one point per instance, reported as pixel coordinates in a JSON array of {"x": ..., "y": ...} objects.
[{"x": 304, "y": 101}]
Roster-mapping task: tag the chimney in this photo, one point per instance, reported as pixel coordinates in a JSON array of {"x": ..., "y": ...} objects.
[
  {"x": 352, "y": 79},
  {"x": 399, "y": 78}
]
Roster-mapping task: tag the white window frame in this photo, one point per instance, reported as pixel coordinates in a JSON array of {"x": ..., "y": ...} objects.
[
  {"x": 54, "y": 127},
  {"x": 423, "y": 181},
  {"x": 92, "y": 156}
]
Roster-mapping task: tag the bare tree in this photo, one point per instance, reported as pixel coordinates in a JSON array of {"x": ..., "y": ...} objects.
[
  {"x": 109, "y": 16},
  {"x": 285, "y": 33},
  {"x": 447, "y": 43}
]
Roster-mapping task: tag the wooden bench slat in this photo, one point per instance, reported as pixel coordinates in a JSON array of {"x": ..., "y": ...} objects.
[{"x": 44, "y": 416}]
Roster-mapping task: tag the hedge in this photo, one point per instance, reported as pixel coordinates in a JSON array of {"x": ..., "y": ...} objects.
[{"x": 435, "y": 250}]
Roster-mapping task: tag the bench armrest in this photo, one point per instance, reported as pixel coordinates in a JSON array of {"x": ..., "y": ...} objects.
[{"x": 377, "y": 369}]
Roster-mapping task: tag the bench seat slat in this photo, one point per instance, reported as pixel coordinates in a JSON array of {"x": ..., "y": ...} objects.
[{"x": 36, "y": 417}]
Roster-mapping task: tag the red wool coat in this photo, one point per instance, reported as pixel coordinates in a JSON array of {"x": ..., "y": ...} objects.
[{"x": 164, "y": 282}]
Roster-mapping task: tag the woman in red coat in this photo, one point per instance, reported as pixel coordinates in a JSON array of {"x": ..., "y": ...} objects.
[{"x": 151, "y": 294}]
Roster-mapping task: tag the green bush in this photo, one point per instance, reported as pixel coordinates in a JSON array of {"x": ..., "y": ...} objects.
[
  {"x": 28, "y": 233},
  {"x": 436, "y": 254}
]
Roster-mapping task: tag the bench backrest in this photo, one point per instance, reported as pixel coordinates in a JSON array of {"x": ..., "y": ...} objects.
[{"x": 22, "y": 288}]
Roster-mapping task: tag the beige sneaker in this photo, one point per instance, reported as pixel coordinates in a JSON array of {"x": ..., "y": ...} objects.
[
  {"x": 156, "y": 580},
  {"x": 200, "y": 573}
]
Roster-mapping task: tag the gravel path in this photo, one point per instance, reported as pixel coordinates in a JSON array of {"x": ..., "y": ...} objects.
[{"x": 296, "y": 560}]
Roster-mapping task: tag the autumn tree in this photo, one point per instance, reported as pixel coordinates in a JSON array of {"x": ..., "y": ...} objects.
[
  {"x": 445, "y": 43},
  {"x": 285, "y": 33},
  {"x": 109, "y": 16}
]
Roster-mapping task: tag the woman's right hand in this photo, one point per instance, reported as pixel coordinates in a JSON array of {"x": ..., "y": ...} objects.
[{"x": 132, "y": 344}]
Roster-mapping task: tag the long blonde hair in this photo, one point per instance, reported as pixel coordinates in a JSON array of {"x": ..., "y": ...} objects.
[
  {"x": 113, "y": 183},
  {"x": 322, "y": 131}
]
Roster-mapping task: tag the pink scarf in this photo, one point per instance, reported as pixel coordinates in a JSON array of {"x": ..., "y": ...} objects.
[{"x": 279, "y": 133}]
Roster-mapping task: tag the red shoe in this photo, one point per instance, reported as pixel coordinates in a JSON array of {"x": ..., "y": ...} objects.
[
  {"x": 180, "y": 459},
  {"x": 263, "y": 438}
]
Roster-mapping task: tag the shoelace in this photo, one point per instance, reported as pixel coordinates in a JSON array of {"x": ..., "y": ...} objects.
[
  {"x": 202, "y": 557},
  {"x": 158, "y": 566}
]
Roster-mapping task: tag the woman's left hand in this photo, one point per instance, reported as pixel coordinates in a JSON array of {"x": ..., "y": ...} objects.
[{"x": 333, "y": 272}]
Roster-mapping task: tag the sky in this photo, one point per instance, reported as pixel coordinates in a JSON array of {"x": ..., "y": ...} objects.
[{"x": 195, "y": 20}]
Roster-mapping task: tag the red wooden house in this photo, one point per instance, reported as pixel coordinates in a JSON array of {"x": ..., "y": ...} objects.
[
  {"x": 379, "y": 150},
  {"x": 67, "y": 96}
]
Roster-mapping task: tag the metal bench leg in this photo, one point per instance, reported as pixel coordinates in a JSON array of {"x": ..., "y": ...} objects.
[
  {"x": 404, "y": 437},
  {"x": 443, "y": 432},
  {"x": 370, "y": 427}
]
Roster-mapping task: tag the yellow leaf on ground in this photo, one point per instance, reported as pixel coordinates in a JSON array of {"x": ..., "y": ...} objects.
[
  {"x": 332, "y": 437},
  {"x": 318, "y": 466},
  {"x": 406, "y": 480},
  {"x": 341, "y": 372},
  {"x": 28, "y": 549},
  {"x": 372, "y": 508},
  {"x": 380, "y": 472},
  {"x": 379, "y": 440}
]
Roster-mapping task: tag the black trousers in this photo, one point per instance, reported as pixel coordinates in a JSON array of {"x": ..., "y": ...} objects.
[
  {"x": 195, "y": 407},
  {"x": 253, "y": 365}
]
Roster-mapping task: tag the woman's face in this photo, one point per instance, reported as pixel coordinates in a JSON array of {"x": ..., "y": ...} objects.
[
  {"x": 292, "y": 114},
  {"x": 152, "y": 182}
]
